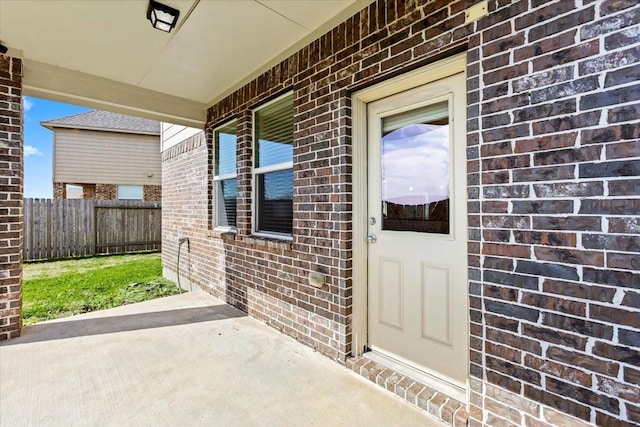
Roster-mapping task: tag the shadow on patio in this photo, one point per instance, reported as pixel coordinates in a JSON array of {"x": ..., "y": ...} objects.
[
  {"x": 184, "y": 360},
  {"x": 72, "y": 327}
]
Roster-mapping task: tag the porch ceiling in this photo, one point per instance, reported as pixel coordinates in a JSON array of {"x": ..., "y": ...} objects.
[{"x": 105, "y": 54}]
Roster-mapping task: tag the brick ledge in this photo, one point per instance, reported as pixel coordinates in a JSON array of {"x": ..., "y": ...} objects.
[
  {"x": 439, "y": 405},
  {"x": 271, "y": 242}
]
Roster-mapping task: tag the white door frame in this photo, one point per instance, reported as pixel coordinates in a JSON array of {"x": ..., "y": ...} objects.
[{"x": 360, "y": 99}]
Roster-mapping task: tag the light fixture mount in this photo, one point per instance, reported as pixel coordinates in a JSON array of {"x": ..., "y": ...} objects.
[{"x": 162, "y": 17}]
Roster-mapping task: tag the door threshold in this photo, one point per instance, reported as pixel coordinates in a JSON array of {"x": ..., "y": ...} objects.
[
  {"x": 423, "y": 377},
  {"x": 415, "y": 387}
]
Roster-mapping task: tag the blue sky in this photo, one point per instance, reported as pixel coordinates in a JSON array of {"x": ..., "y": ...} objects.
[{"x": 38, "y": 143}]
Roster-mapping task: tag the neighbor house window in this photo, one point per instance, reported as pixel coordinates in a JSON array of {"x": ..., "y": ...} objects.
[
  {"x": 74, "y": 191},
  {"x": 224, "y": 179},
  {"x": 273, "y": 167},
  {"x": 130, "y": 192}
]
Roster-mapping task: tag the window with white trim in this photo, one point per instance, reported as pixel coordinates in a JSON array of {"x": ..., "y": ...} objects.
[
  {"x": 130, "y": 192},
  {"x": 273, "y": 167},
  {"x": 224, "y": 179}
]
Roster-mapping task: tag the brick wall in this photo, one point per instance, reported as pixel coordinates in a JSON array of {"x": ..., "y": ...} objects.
[
  {"x": 59, "y": 190},
  {"x": 88, "y": 191},
  {"x": 552, "y": 174},
  {"x": 322, "y": 75},
  {"x": 185, "y": 213},
  {"x": 554, "y": 130},
  {"x": 106, "y": 192},
  {"x": 152, "y": 193},
  {"x": 11, "y": 184}
]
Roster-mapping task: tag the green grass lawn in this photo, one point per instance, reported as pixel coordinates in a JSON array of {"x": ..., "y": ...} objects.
[{"x": 64, "y": 288}]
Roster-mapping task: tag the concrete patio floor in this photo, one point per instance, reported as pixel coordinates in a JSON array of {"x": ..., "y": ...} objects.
[{"x": 185, "y": 360}]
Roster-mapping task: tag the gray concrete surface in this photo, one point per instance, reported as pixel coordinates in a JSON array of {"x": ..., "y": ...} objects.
[{"x": 186, "y": 360}]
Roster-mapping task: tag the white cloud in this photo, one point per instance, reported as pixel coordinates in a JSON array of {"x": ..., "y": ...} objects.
[
  {"x": 31, "y": 151},
  {"x": 415, "y": 165},
  {"x": 27, "y": 103}
]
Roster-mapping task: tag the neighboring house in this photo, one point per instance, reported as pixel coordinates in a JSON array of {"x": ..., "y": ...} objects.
[
  {"x": 442, "y": 197},
  {"x": 106, "y": 156}
]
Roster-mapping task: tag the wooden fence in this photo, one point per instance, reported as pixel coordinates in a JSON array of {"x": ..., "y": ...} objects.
[{"x": 58, "y": 229}]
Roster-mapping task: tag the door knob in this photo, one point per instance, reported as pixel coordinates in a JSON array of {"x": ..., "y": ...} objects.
[{"x": 372, "y": 238}]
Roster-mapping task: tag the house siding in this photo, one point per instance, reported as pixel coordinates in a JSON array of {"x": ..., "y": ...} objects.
[
  {"x": 97, "y": 157},
  {"x": 172, "y": 134},
  {"x": 552, "y": 168}
]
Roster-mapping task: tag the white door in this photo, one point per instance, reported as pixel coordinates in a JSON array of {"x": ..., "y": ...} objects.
[{"x": 417, "y": 213}]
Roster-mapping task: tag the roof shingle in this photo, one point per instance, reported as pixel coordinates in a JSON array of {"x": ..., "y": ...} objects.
[{"x": 104, "y": 120}]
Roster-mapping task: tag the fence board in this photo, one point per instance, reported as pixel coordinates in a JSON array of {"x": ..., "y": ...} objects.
[
  {"x": 27, "y": 232},
  {"x": 56, "y": 223},
  {"x": 43, "y": 228},
  {"x": 45, "y": 238},
  {"x": 91, "y": 225},
  {"x": 58, "y": 229},
  {"x": 122, "y": 227},
  {"x": 67, "y": 242},
  {"x": 36, "y": 231}
]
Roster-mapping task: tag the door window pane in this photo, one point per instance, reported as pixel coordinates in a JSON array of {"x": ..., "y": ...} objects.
[{"x": 416, "y": 170}]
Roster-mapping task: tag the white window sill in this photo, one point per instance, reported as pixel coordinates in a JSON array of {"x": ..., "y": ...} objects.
[{"x": 220, "y": 233}]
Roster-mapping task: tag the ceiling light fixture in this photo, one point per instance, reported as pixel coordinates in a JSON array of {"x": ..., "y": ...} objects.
[{"x": 162, "y": 17}]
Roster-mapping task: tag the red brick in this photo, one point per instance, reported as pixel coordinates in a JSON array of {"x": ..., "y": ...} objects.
[
  {"x": 11, "y": 139},
  {"x": 558, "y": 370},
  {"x": 531, "y": 281}
]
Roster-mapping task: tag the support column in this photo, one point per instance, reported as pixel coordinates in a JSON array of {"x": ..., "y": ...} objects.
[
  {"x": 11, "y": 205},
  {"x": 59, "y": 190}
]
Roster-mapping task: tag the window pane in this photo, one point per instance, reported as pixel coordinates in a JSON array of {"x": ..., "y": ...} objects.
[
  {"x": 75, "y": 192},
  {"x": 226, "y": 203},
  {"x": 275, "y": 201},
  {"x": 274, "y": 133},
  {"x": 415, "y": 170},
  {"x": 225, "y": 146},
  {"x": 130, "y": 192}
]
